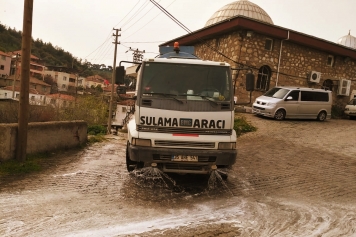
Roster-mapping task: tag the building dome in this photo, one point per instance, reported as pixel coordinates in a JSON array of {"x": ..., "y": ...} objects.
[
  {"x": 239, "y": 8},
  {"x": 348, "y": 41}
]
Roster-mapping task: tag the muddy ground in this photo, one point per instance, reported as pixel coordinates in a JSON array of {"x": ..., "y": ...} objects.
[{"x": 292, "y": 178}]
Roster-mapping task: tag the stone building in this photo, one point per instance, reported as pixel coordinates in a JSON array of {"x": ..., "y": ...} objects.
[{"x": 243, "y": 35}]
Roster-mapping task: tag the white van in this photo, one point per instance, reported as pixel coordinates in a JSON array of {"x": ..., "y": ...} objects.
[
  {"x": 294, "y": 102},
  {"x": 350, "y": 109}
]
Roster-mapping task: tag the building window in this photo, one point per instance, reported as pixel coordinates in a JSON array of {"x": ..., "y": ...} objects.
[
  {"x": 263, "y": 79},
  {"x": 124, "y": 109},
  {"x": 5, "y": 95},
  {"x": 2, "y": 67},
  {"x": 64, "y": 78},
  {"x": 63, "y": 86},
  {"x": 33, "y": 97},
  {"x": 330, "y": 61},
  {"x": 17, "y": 95},
  {"x": 268, "y": 44}
]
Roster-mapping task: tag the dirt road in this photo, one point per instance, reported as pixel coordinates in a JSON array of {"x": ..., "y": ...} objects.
[{"x": 292, "y": 178}]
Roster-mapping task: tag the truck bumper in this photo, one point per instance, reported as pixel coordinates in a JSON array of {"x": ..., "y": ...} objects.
[{"x": 163, "y": 158}]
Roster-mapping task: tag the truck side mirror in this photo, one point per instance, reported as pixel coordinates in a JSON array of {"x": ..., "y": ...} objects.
[
  {"x": 250, "y": 82},
  {"x": 121, "y": 90},
  {"x": 120, "y": 75}
]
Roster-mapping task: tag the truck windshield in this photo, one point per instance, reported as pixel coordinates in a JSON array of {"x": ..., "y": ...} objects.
[
  {"x": 190, "y": 81},
  {"x": 276, "y": 92}
]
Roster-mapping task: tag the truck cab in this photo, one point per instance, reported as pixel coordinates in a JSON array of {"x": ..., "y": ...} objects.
[{"x": 184, "y": 115}]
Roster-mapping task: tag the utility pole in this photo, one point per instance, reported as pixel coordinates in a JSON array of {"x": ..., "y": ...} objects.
[
  {"x": 113, "y": 80},
  {"x": 21, "y": 145},
  {"x": 137, "y": 55}
]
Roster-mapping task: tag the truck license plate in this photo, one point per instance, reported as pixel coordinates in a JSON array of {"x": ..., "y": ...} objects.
[{"x": 185, "y": 158}]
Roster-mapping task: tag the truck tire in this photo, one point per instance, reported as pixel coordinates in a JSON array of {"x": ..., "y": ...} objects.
[{"x": 130, "y": 165}]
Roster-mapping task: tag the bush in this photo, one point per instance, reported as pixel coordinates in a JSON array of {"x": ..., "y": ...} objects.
[
  {"x": 97, "y": 130},
  {"x": 91, "y": 109},
  {"x": 337, "y": 111},
  {"x": 241, "y": 126}
]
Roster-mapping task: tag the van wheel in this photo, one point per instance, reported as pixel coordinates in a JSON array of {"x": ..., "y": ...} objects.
[
  {"x": 280, "y": 114},
  {"x": 321, "y": 116}
]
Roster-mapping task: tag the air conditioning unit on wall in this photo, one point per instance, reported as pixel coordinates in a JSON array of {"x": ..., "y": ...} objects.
[
  {"x": 344, "y": 87},
  {"x": 314, "y": 77}
]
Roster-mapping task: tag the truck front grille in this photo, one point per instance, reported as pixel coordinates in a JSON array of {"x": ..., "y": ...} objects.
[
  {"x": 184, "y": 144},
  {"x": 197, "y": 131}
]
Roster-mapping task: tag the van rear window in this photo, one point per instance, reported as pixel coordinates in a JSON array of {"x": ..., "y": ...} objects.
[{"x": 314, "y": 96}]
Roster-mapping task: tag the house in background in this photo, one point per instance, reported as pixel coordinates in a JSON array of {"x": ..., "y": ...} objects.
[
  {"x": 36, "y": 67},
  {"x": 39, "y": 85},
  {"x": 5, "y": 65},
  {"x": 95, "y": 81},
  {"x": 9, "y": 92},
  {"x": 244, "y": 35},
  {"x": 60, "y": 100}
]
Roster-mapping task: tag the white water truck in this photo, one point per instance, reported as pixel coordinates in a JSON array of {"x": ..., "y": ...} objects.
[{"x": 184, "y": 115}]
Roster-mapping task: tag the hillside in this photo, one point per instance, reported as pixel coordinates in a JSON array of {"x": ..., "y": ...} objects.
[{"x": 10, "y": 40}]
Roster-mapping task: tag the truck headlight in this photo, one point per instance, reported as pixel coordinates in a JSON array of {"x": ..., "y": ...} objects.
[
  {"x": 141, "y": 142},
  {"x": 227, "y": 145},
  {"x": 271, "y": 104}
]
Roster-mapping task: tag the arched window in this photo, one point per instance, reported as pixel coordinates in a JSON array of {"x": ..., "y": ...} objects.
[
  {"x": 263, "y": 79},
  {"x": 328, "y": 84}
]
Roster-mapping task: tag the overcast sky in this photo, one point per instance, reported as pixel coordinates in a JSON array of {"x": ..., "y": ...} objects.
[{"x": 85, "y": 27}]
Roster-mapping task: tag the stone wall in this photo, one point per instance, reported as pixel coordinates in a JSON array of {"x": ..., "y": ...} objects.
[
  {"x": 43, "y": 137},
  {"x": 296, "y": 63}
]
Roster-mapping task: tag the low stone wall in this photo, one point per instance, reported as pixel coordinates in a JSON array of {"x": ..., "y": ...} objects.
[{"x": 43, "y": 137}]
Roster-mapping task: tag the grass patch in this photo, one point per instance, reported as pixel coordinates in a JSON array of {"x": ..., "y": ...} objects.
[
  {"x": 30, "y": 165},
  {"x": 97, "y": 130},
  {"x": 241, "y": 126},
  {"x": 95, "y": 138}
]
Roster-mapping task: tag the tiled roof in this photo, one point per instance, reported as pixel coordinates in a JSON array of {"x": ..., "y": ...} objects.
[
  {"x": 17, "y": 89},
  {"x": 32, "y": 80},
  {"x": 96, "y": 78},
  {"x": 61, "y": 96},
  {"x": 126, "y": 102},
  {"x": 19, "y": 52},
  {"x": 4, "y": 54}
]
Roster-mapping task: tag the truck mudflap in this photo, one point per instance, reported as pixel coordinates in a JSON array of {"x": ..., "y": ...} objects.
[{"x": 183, "y": 160}]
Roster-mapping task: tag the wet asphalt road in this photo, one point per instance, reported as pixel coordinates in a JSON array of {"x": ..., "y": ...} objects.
[{"x": 292, "y": 178}]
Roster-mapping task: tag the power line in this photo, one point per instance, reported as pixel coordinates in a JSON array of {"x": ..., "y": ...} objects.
[
  {"x": 128, "y": 13},
  {"x": 148, "y": 21},
  {"x": 136, "y": 13},
  {"x": 109, "y": 35}
]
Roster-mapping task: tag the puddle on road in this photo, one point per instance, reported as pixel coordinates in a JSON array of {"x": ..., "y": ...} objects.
[{"x": 151, "y": 185}]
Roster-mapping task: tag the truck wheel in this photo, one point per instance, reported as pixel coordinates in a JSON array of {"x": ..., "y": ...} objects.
[
  {"x": 280, "y": 114},
  {"x": 321, "y": 116},
  {"x": 130, "y": 165}
]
